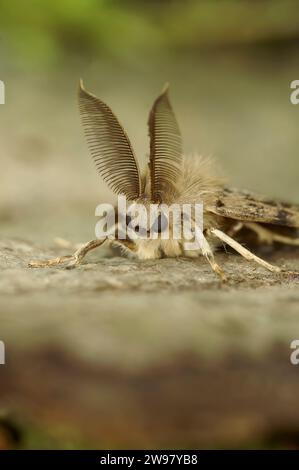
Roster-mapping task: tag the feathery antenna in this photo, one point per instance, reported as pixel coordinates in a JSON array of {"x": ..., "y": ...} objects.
[
  {"x": 109, "y": 145},
  {"x": 165, "y": 146}
]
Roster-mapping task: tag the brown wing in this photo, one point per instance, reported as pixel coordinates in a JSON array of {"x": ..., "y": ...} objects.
[
  {"x": 109, "y": 146},
  {"x": 246, "y": 206},
  {"x": 165, "y": 147}
]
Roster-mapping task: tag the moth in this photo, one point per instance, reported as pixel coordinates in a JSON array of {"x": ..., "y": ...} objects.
[{"x": 171, "y": 177}]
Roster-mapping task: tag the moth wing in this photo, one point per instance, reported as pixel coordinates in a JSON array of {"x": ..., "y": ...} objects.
[{"x": 250, "y": 207}]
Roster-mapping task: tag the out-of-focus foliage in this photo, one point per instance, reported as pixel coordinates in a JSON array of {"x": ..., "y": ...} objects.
[{"x": 50, "y": 31}]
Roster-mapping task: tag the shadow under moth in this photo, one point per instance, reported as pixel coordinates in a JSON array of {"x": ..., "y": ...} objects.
[{"x": 171, "y": 177}]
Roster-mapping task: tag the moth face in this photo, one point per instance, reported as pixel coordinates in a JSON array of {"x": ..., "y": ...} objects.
[
  {"x": 147, "y": 236},
  {"x": 146, "y": 225}
]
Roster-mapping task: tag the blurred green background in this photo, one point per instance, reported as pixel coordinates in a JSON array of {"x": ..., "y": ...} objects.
[
  {"x": 229, "y": 64},
  {"x": 48, "y": 33}
]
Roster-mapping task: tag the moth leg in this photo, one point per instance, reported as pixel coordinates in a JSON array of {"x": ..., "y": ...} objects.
[
  {"x": 49, "y": 262},
  {"x": 209, "y": 255},
  {"x": 243, "y": 251},
  {"x": 267, "y": 236},
  {"x": 82, "y": 252},
  {"x": 235, "y": 229},
  {"x": 74, "y": 260}
]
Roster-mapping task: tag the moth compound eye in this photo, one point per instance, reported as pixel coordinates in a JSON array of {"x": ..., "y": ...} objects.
[
  {"x": 128, "y": 219},
  {"x": 160, "y": 224}
]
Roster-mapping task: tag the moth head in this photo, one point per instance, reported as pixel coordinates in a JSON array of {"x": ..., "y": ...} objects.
[
  {"x": 115, "y": 159},
  {"x": 147, "y": 232}
]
